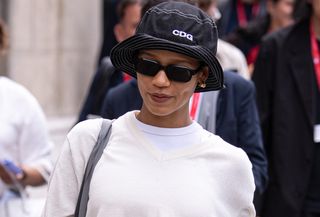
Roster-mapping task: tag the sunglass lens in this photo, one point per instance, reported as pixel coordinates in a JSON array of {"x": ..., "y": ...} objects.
[
  {"x": 178, "y": 73},
  {"x": 147, "y": 67},
  {"x": 173, "y": 72}
]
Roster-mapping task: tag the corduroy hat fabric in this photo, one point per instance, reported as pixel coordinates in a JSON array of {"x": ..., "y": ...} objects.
[{"x": 178, "y": 27}]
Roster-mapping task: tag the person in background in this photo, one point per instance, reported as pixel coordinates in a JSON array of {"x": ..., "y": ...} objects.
[
  {"x": 25, "y": 148},
  {"x": 248, "y": 38},
  {"x": 109, "y": 20},
  {"x": 236, "y": 13},
  {"x": 236, "y": 119},
  {"x": 230, "y": 113},
  {"x": 129, "y": 16},
  {"x": 229, "y": 56},
  {"x": 287, "y": 77},
  {"x": 158, "y": 162}
]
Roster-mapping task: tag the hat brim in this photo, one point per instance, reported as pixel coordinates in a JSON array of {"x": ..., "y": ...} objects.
[{"x": 122, "y": 57}]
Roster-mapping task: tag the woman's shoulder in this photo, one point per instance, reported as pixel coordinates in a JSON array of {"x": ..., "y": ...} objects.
[
  {"x": 84, "y": 126},
  {"x": 16, "y": 96},
  {"x": 83, "y": 135},
  {"x": 15, "y": 89},
  {"x": 232, "y": 160},
  {"x": 90, "y": 128},
  {"x": 227, "y": 151}
]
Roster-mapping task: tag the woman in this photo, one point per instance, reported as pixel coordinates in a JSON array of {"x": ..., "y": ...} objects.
[
  {"x": 248, "y": 38},
  {"x": 159, "y": 162},
  {"x": 25, "y": 148}
]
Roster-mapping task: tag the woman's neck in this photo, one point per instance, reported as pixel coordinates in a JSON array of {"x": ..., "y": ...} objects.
[{"x": 180, "y": 119}]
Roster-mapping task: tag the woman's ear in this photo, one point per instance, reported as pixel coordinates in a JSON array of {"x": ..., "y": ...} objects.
[{"x": 203, "y": 74}]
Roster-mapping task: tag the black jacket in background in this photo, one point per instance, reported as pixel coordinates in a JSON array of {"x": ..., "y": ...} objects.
[{"x": 284, "y": 78}]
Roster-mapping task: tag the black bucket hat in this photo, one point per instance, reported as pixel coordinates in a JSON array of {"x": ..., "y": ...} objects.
[{"x": 177, "y": 27}]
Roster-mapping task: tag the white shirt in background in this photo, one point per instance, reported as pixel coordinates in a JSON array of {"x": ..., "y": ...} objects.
[{"x": 23, "y": 131}]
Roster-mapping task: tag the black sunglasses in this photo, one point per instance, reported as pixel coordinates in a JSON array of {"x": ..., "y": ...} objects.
[{"x": 173, "y": 72}]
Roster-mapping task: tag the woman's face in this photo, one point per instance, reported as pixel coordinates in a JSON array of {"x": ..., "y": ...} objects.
[
  {"x": 163, "y": 97},
  {"x": 281, "y": 12}
]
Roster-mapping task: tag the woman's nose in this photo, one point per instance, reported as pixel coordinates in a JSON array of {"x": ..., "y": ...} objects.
[{"x": 161, "y": 79}]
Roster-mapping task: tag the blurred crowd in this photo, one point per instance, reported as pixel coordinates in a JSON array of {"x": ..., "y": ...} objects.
[{"x": 270, "y": 104}]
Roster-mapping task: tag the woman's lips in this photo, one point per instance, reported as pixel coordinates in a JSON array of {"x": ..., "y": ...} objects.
[{"x": 160, "y": 98}]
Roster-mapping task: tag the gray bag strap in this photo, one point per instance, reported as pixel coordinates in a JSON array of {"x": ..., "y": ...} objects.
[{"x": 103, "y": 138}]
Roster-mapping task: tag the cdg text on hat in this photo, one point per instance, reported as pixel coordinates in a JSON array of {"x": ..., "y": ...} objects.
[{"x": 182, "y": 34}]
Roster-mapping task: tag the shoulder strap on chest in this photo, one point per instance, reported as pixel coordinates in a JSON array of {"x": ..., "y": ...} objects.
[{"x": 103, "y": 138}]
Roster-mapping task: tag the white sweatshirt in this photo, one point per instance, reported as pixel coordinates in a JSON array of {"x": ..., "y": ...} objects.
[{"x": 136, "y": 179}]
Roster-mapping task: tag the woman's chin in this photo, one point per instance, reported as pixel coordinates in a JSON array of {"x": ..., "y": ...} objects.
[{"x": 161, "y": 112}]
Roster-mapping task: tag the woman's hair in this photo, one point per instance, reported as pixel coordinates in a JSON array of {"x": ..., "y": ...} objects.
[{"x": 3, "y": 37}]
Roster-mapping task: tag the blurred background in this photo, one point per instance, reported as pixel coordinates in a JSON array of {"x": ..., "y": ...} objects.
[{"x": 53, "y": 50}]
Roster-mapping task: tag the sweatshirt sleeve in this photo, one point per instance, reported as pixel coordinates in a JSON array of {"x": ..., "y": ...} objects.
[
  {"x": 65, "y": 182},
  {"x": 245, "y": 181}
]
